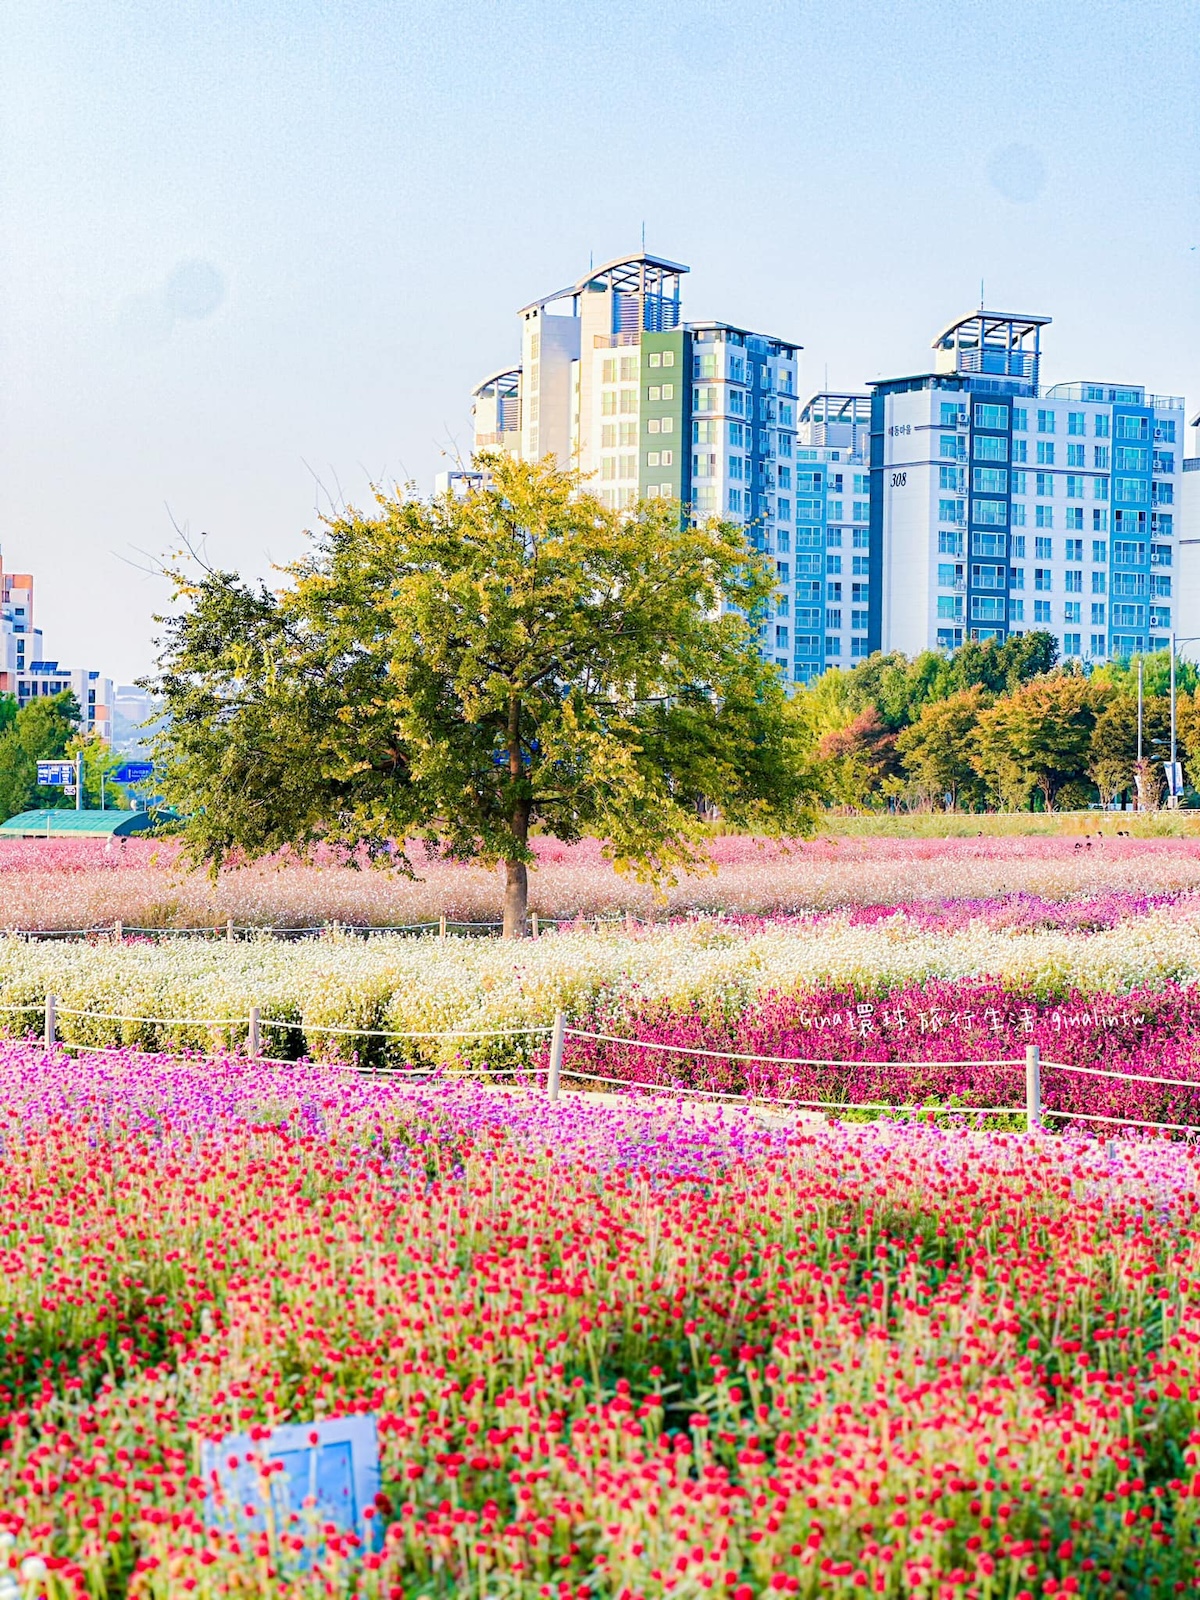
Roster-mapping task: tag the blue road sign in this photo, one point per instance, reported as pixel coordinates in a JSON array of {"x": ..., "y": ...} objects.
[
  {"x": 56, "y": 774},
  {"x": 133, "y": 772}
]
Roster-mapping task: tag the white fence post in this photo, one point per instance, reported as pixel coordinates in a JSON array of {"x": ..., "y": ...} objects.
[
  {"x": 118, "y": 932},
  {"x": 229, "y": 931},
  {"x": 554, "y": 1076},
  {"x": 51, "y": 1008},
  {"x": 252, "y": 1032},
  {"x": 534, "y": 929},
  {"x": 1033, "y": 1089},
  {"x": 441, "y": 927}
]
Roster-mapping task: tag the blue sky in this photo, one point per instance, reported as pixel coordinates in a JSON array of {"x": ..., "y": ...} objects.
[{"x": 252, "y": 254}]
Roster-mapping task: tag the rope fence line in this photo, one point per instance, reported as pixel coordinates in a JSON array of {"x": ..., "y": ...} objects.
[
  {"x": 232, "y": 932},
  {"x": 559, "y": 1032}
]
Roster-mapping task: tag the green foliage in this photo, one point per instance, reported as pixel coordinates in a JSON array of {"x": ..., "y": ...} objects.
[
  {"x": 1121, "y": 675},
  {"x": 899, "y": 687},
  {"x": 39, "y": 731},
  {"x": 1113, "y": 754},
  {"x": 937, "y": 748},
  {"x": 461, "y": 670}
]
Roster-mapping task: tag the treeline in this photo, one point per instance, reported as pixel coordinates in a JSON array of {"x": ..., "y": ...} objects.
[
  {"x": 996, "y": 727},
  {"x": 47, "y": 729}
]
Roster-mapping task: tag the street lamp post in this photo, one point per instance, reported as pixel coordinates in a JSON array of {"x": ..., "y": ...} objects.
[
  {"x": 1173, "y": 798},
  {"x": 1176, "y": 639}
]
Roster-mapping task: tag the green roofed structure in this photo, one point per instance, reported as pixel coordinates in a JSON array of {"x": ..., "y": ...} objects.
[{"x": 69, "y": 824}]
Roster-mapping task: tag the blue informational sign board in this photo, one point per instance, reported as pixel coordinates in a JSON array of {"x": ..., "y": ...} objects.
[
  {"x": 56, "y": 774},
  {"x": 133, "y": 772},
  {"x": 330, "y": 1473}
]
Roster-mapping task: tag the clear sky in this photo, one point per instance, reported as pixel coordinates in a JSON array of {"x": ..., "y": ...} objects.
[{"x": 256, "y": 252}]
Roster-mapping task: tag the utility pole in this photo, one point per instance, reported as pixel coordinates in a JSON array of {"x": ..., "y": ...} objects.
[
  {"x": 79, "y": 781},
  {"x": 1173, "y": 799},
  {"x": 1138, "y": 796}
]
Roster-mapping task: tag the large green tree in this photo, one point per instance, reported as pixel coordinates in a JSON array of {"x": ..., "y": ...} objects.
[
  {"x": 1038, "y": 737},
  {"x": 466, "y": 670},
  {"x": 936, "y": 749},
  {"x": 1113, "y": 752}
]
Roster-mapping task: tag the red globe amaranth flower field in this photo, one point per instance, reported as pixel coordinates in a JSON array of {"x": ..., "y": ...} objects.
[
  {"x": 627, "y": 1352},
  {"x": 940, "y": 1043}
]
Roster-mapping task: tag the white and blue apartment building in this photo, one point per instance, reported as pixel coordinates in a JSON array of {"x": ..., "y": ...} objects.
[
  {"x": 999, "y": 507},
  {"x": 961, "y": 502}
]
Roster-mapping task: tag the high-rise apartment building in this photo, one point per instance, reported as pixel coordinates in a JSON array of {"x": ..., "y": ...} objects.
[
  {"x": 24, "y": 671},
  {"x": 829, "y": 576},
  {"x": 998, "y": 507},
  {"x": 961, "y": 502},
  {"x": 613, "y": 381}
]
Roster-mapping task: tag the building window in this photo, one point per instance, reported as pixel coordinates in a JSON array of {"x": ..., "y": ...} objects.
[
  {"x": 1099, "y": 644},
  {"x": 608, "y": 403},
  {"x": 1099, "y": 521},
  {"x": 1045, "y": 454},
  {"x": 1044, "y": 485},
  {"x": 1020, "y": 450},
  {"x": 1071, "y": 644},
  {"x": 987, "y": 416},
  {"x": 1074, "y": 516},
  {"x": 1075, "y": 455},
  {"x": 1132, "y": 427},
  {"x": 1045, "y": 422},
  {"x": 1041, "y": 611},
  {"x": 1016, "y": 577},
  {"x": 990, "y": 513},
  {"x": 1072, "y": 611},
  {"x": 858, "y": 649},
  {"x": 1020, "y": 419},
  {"x": 1045, "y": 516},
  {"x": 990, "y": 447},
  {"x": 1042, "y": 578},
  {"x": 1016, "y": 611},
  {"x": 990, "y": 480},
  {"x": 1018, "y": 515}
]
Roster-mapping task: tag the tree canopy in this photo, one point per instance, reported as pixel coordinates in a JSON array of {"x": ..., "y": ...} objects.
[
  {"x": 42, "y": 730},
  {"x": 466, "y": 670}
]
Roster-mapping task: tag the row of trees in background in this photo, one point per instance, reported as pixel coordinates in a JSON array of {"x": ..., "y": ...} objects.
[
  {"x": 996, "y": 726},
  {"x": 47, "y": 729}
]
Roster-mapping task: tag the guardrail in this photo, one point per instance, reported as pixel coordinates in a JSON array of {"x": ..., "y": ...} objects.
[{"x": 1034, "y": 1110}]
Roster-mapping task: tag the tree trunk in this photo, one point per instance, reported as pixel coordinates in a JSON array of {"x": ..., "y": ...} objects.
[
  {"x": 516, "y": 876},
  {"x": 516, "y": 899}
]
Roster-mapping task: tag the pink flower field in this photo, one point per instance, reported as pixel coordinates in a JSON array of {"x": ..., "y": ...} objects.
[{"x": 54, "y": 884}]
